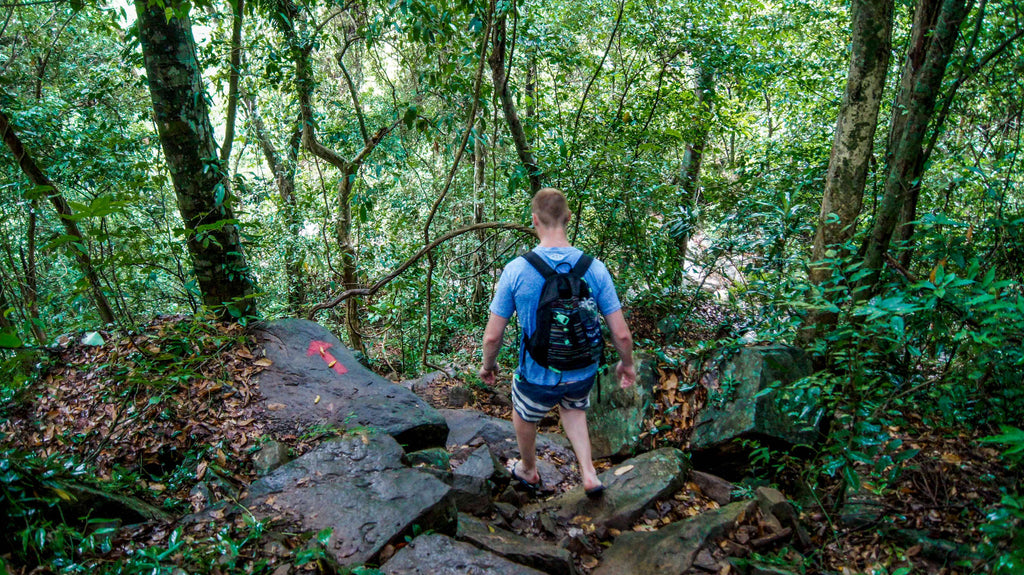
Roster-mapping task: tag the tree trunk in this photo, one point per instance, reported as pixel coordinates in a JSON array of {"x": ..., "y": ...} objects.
[
  {"x": 479, "y": 262},
  {"x": 693, "y": 156},
  {"x": 38, "y": 178},
  {"x": 284, "y": 178},
  {"x": 348, "y": 255},
  {"x": 236, "y": 64},
  {"x": 905, "y": 165},
  {"x": 183, "y": 121},
  {"x": 926, "y": 14},
  {"x": 853, "y": 144},
  {"x": 515, "y": 126}
]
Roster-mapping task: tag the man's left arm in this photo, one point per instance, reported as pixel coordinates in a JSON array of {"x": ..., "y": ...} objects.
[{"x": 493, "y": 333}]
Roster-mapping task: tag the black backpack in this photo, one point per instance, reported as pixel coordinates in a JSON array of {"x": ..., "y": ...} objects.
[{"x": 568, "y": 332}]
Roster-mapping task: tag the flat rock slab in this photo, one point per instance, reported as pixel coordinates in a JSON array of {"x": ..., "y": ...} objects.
[
  {"x": 629, "y": 489},
  {"x": 530, "y": 552},
  {"x": 440, "y": 555},
  {"x": 671, "y": 549},
  {"x": 315, "y": 379},
  {"x": 357, "y": 486}
]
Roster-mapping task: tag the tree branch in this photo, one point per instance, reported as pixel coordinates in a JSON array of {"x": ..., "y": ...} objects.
[{"x": 416, "y": 257}]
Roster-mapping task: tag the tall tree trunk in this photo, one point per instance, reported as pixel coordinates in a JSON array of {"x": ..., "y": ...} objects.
[
  {"x": 31, "y": 291},
  {"x": 37, "y": 177},
  {"x": 236, "y": 64},
  {"x": 183, "y": 121},
  {"x": 853, "y": 144},
  {"x": 284, "y": 178},
  {"x": 479, "y": 262},
  {"x": 693, "y": 156},
  {"x": 515, "y": 126},
  {"x": 926, "y": 15},
  {"x": 905, "y": 165}
]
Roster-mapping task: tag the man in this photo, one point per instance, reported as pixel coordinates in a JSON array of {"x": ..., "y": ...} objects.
[{"x": 536, "y": 389}]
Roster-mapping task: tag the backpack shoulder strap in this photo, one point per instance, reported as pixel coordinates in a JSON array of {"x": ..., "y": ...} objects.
[
  {"x": 539, "y": 264},
  {"x": 582, "y": 265}
]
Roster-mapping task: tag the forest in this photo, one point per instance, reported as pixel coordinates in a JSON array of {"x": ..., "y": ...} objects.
[{"x": 840, "y": 177}]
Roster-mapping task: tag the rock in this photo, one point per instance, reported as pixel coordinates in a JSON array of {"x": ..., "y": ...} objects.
[
  {"x": 738, "y": 410},
  {"x": 862, "y": 508},
  {"x": 357, "y": 486},
  {"x": 778, "y": 510},
  {"x": 459, "y": 396},
  {"x": 269, "y": 457},
  {"x": 421, "y": 385},
  {"x": 672, "y": 549},
  {"x": 616, "y": 421},
  {"x": 314, "y": 379},
  {"x": 713, "y": 487},
  {"x": 627, "y": 494},
  {"x": 467, "y": 426},
  {"x": 477, "y": 480},
  {"x": 441, "y": 555},
  {"x": 434, "y": 458},
  {"x": 537, "y": 554}
]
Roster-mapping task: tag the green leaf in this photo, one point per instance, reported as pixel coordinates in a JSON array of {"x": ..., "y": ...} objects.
[
  {"x": 92, "y": 338},
  {"x": 10, "y": 340}
]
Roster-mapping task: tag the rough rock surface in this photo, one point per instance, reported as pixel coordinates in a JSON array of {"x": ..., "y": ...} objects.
[
  {"x": 477, "y": 480},
  {"x": 441, "y": 555},
  {"x": 672, "y": 549},
  {"x": 315, "y": 379},
  {"x": 714, "y": 487},
  {"x": 616, "y": 421},
  {"x": 270, "y": 456},
  {"x": 629, "y": 488},
  {"x": 357, "y": 486},
  {"x": 470, "y": 427},
  {"x": 737, "y": 409},
  {"x": 530, "y": 552}
]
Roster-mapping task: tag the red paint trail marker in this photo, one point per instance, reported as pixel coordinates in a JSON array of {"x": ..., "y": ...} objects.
[{"x": 320, "y": 347}]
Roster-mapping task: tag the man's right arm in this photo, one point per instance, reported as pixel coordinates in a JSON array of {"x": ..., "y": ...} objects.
[
  {"x": 622, "y": 339},
  {"x": 492, "y": 343}
]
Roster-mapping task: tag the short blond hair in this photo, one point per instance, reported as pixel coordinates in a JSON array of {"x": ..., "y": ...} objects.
[{"x": 550, "y": 207}]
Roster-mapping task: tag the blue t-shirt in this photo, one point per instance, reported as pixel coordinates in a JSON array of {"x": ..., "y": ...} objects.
[{"x": 518, "y": 291}]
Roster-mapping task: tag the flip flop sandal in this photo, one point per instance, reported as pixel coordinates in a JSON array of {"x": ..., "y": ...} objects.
[
  {"x": 595, "y": 492},
  {"x": 531, "y": 488}
]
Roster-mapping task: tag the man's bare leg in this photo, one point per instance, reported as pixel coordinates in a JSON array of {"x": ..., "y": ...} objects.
[
  {"x": 526, "y": 436},
  {"x": 575, "y": 423}
]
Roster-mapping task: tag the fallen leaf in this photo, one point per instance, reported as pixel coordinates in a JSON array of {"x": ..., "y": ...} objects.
[
  {"x": 623, "y": 469},
  {"x": 317, "y": 400},
  {"x": 275, "y": 406},
  {"x": 951, "y": 458},
  {"x": 201, "y": 470},
  {"x": 589, "y": 561},
  {"x": 264, "y": 362},
  {"x": 913, "y": 550}
]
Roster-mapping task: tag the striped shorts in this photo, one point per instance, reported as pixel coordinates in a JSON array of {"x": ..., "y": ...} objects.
[{"x": 533, "y": 401}]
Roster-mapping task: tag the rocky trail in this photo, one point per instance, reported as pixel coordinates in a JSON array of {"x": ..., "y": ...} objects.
[{"x": 343, "y": 468}]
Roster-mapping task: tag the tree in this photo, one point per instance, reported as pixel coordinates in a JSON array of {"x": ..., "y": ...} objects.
[
  {"x": 906, "y": 163},
  {"x": 853, "y": 144},
  {"x": 183, "y": 122}
]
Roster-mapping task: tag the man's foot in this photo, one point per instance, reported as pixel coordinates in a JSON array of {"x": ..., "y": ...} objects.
[
  {"x": 592, "y": 486},
  {"x": 595, "y": 492},
  {"x": 522, "y": 479}
]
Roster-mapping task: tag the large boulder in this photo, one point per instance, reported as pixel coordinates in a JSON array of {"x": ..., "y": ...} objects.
[
  {"x": 530, "y": 552},
  {"x": 616, "y": 416},
  {"x": 358, "y": 487},
  {"x": 630, "y": 488},
  {"x": 741, "y": 405},
  {"x": 439, "y": 555},
  {"x": 315, "y": 379},
  {"x": 671, "y": 549}
]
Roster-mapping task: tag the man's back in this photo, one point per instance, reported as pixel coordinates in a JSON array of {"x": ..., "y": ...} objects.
[{"x": 519, "y": 291}]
